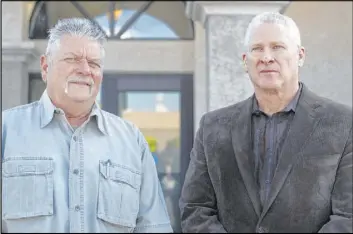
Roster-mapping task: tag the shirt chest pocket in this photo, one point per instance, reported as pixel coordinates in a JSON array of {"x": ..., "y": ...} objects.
[
  {"x": 27, "y": 187},
  {"x": 119, "y": 192}
]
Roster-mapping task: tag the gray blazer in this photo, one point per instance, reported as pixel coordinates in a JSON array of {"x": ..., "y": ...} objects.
[{"x": 312, "y": 186}]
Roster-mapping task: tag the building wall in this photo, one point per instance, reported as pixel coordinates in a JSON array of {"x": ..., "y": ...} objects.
[{"x": 326, "y": 30}]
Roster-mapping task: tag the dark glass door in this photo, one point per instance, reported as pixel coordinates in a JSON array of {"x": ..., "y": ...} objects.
[{"x": 162, "y": 107}]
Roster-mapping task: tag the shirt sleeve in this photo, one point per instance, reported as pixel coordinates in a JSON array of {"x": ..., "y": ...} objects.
[{"x": 153, "y": 215}]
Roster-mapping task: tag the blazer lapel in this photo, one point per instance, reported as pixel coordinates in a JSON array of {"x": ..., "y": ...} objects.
[
  {"x": 301, "y": 128},
  {"x": 241, "y": 141}
]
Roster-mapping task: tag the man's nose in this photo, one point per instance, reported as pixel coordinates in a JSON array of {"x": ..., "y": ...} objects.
[
  {"x": 84, "y": 67},
  {"x": 267, "y": 57}
]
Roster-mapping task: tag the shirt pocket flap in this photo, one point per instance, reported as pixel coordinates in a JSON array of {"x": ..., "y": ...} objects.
[
  {"x": 27, "y": 166},
  {"x": 120, "y": 174}
]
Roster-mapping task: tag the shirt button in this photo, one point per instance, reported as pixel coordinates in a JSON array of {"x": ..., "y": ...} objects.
[
  {"x": 76, "y": 171},
  {"x": 267, "y": 181},
  {"x": 77, "y": 208},
  {"x": 75, "y": 138}
]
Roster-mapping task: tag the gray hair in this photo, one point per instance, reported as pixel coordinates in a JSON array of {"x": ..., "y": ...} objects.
[
  {"x": 273, "y": 18},
  {"x": 76, "y": 27}
]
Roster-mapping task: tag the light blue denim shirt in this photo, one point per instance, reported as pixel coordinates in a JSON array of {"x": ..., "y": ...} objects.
[{"x": 100, "y": 177}]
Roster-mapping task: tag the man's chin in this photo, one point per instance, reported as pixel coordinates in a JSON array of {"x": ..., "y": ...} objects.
[
  {"x": 270, "y": 85},
  {"x": 79, "y": 98}
]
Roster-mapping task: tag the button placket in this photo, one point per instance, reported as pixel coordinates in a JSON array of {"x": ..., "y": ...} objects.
[{"x": 75, "y": 193}]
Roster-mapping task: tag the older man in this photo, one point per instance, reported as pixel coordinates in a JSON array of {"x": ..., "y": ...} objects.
[
  {"x": 280, "y": 161},
  {"x": 67, "y": 165}
]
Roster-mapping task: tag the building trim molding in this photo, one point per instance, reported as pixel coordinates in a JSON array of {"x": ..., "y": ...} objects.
[
  {"x": 18, "y": 51},
  {"x": 200, "y": 10}
]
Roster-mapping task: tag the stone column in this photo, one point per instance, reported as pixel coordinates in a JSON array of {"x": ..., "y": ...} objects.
[
  {"x": 16, "y": 53},
  {"x": 200, "y": 74},
  {"x": 224, "y": 23},
  {"x": 14, "y": 73}
]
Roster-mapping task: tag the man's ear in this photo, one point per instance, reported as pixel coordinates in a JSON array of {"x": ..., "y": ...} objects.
[
  {"x": 44, "y": 67},
  {"x": 244, "y": 63},
  {"x": 301, "y": 56}
]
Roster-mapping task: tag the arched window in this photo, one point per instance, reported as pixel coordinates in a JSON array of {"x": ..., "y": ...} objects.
[
  {"x": 145, "y": 27},
  {"x": 120, "y": 20}
]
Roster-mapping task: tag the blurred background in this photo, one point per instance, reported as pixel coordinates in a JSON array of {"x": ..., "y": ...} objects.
[{"x": 168, "y": 63}]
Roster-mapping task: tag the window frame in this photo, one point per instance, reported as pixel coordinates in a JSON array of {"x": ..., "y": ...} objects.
[{"x": 111, "y": 22}]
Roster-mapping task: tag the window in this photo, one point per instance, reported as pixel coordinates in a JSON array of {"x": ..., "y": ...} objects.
[
  {"x": 120, "y": 20},
  {"x": 36, "y": 88},
  {"x": 145, "y": 27}
]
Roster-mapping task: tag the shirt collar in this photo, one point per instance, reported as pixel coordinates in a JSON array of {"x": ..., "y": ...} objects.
[
  {"x": 48, "y": 109},
  {"x": 292, "y": 105}
]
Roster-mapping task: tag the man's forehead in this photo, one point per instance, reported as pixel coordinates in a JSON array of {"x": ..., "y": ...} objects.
[
  {"x": 75, "y": 38},
  {"x": 262, "y": 41},
  {"x": 76, "y": 41},
  {"x": 80, "y": 54},
  {"x": 269, "y": 33},
  {"x": 269, "y": 29},
  {"x": 79, "y": 46}
]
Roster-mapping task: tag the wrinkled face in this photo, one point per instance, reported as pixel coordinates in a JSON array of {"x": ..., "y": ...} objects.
[
  {"x": 74, "y": 72},
  {"x": 273, "y": 57}
]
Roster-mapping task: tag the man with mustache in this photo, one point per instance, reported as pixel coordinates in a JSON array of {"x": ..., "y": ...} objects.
[
  {"x": 67, "y": 165},
  {"x": 279, "y": 161}
]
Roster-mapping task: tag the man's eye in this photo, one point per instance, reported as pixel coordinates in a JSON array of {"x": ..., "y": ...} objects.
[
  {"x": 69, "y": 59},
  {"x": 93, "y": 64},
  {"x": 256, "y": 49},
  {"x": 278, "y": 47}
]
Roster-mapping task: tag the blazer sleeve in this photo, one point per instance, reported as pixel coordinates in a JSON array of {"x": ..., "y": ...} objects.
[
  {"x": 341, "y": 198},
  {"x": 198, "y": 201}
]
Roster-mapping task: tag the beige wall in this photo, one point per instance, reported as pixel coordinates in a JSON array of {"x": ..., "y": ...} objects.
[{"x": 326, "y": 30}]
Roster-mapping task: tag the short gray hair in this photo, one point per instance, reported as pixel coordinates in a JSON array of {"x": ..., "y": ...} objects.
[
  {"x": 75, "y": 27},
  {"x": 273, "y": 18}
]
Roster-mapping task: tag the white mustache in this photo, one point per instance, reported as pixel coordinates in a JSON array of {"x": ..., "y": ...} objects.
[{"x": 77, "y": 79}]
